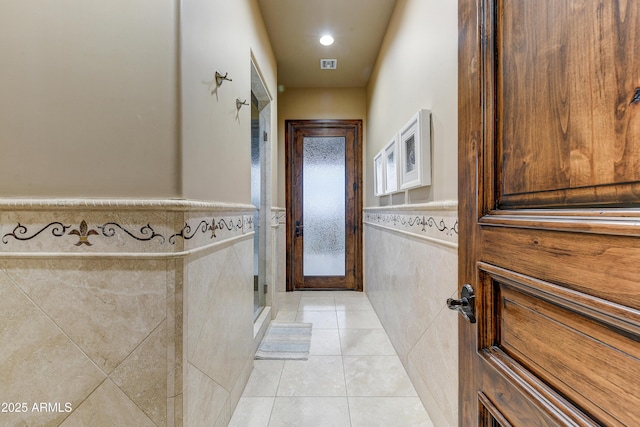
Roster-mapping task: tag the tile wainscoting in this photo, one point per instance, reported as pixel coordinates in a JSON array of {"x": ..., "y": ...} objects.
[
  {"x": 279, "y": 222},
  {"x": 125, "y": 312},
  {"x": 411, "y": 265}
]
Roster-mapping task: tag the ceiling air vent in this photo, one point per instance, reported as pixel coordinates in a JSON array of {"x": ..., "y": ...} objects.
[{"x": 328, "y": 64}]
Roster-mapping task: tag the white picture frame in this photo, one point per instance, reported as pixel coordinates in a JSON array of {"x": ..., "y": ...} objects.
[
  {"x": 391, "y": 166},
  {"x": 415, "y": 149},
  {"x": 378, "y": 173}
]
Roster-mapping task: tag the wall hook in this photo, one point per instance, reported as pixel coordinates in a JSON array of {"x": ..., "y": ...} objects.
[
  {"x": 239, "y": 103},
  {"x": 220, "y": 78}
]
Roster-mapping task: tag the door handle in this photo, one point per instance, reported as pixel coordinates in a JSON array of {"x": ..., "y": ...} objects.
[
  {"x": 299, "y": 228},
  {"x": 465, "y": 305}
]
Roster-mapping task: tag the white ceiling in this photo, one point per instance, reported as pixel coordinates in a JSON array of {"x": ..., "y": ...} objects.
[{"x": 295, "y": 27}]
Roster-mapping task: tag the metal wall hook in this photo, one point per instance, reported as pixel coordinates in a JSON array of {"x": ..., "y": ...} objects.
[
  {"x": 240, "y": 103},
  {"x": 220, "y": 78}
]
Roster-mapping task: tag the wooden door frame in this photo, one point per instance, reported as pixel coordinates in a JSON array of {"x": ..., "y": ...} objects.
[
  {"x": 290, "y": 128},
  {"x": 470, "y": 143}
]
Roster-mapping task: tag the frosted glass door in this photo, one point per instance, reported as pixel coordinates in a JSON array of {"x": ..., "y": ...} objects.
[
  {"x": 324, "y": 181},
  {"x": 324, "y": 204}
]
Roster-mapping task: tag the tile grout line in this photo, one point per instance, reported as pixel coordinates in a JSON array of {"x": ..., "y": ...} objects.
[
  {"x": 273, "y": 405},
  {"x": 91, "y": 394},
  {"x": 107, "y": 375},
  {"x": 344, "y": 375},
  {"x": 428, "y": 327},
  {"x": 44, "y": 313},
  {"x": 339, "y": 330},
  {"x": 123, "y": 360}
]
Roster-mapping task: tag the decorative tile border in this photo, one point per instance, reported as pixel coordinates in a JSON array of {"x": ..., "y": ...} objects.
[
  {"x": 139, "y": 227},
  {"x": 414, "y": 223},
  {"x": 432, "y": 221},
  {"x": 58, "y": 229},
  {"x": 278, "y": 216},
  {"x": 225, "y": 227}
]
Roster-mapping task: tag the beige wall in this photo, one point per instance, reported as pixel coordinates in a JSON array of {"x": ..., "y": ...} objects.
[
  {"x": 417, "y": 68},
  {"x": 220, "y": 36},
  {"x": 98, "y": 102},
  {"x": 89, "y": 98},
  {"x": 410, "y": 251},
  {"x": 321, "y": 103}
]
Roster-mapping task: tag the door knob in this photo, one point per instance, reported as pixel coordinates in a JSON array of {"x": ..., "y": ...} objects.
[
  {"x": 299, "y": 228},
  {"x": 465, "y": 305}
]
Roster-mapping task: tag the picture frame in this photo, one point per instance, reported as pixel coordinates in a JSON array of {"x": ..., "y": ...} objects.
[
  {"x": 415, "y": 149},
  {"x": 378, "y": 174},
  {"x": 391, "y": 166}
]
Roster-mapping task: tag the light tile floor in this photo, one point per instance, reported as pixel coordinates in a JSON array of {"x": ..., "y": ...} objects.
[{"x": 353, "y": 377}]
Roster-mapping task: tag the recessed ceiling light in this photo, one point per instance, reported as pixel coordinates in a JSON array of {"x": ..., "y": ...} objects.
[{"x": 326, "y": 40}]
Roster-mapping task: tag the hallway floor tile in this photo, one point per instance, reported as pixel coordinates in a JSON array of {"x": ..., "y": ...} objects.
[{"x": 353, "y": 377}]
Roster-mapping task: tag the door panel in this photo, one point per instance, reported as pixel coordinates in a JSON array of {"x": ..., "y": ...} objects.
[
  {"x": 571, "y": 259},
  {"x": 578, "y": 336},
  {"x": 565, "y": 77},
  {"x": 549, "y": 145},
  {"x": 324, "y": 204},
  {"x": 489, "y": 414}
]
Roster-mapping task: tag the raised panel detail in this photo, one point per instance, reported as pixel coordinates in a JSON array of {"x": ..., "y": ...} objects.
[
  {"x": 490, "y": 416},
  {"x": 558, "y": 340},
  {"x": 606, "y": 267},
  {"x": 568, "y": 131}
]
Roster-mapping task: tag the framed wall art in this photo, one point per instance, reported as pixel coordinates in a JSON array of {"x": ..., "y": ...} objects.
[
  {"x": 391, "y": 166},
  {"x": 415, "y": 149},
  {"x": 378, "y": 177}
]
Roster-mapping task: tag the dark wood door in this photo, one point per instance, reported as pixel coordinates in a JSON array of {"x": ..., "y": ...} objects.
[
  {"x": 324, "y": 204},
  {"x": 549, "y": 144}
]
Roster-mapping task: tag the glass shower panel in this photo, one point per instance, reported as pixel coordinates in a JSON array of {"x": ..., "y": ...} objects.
[
  {"x": 256, "y": 195},
  {"x": 323, "y": 206}
]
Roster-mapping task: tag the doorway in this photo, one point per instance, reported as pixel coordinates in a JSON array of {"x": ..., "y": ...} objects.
[
  {"x": 324, "y": 204},
  {"x": 260, "y": 179}
]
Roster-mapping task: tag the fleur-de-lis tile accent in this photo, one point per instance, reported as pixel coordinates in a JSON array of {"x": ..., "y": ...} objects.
[
  {"x": 84, "y": 234},
  {"x": 213, "y": 227}
]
